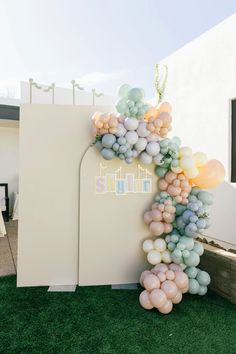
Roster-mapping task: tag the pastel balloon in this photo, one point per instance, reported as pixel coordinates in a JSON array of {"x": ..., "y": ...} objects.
[
  {"x": 160, "y": 244},
  {"x": 177, "y": 298},
  {"x": 166, "y": 308},
  {"x": 153, "y": 148},
  {"x": 141, "y": 144},
  {"x": 121, "y": 106},
  {"x": 143, "y": 275},
  {"x": 193, "y": 286},
  {"x": 145, "y": 158},
  {"x": 108, "y": 140},
  {"x": 165, "y": 107},
  {"x": 124, "y": 90},
  {"x": 181, "y": 280},
  {"x": 131, "y": 137},
  {"x": 203, "y": 278},
  {"x": 131, "y": 123},
  {"x": 135, "y": 94},
  {"x": 120, "y": 130},
  {"x": 166, "y": 257},
  {"x": 145, "y": 301},
  {"x": 148, "y": 245},
  {"x": 142, "y": 130},
  {"x": 200, "y": 159},
  {"x": 191, "y": 272},
  {"x": 157, "y": 228},
  {"x": 210, "y": 175},
  {"x": 107, "y": 154},
  {"x": 202, "y": 290},
  {"x": 158, "y": 298},
  {"x": 147, "y": 217},
  {"x": 193, "y": 260},
  {"x": 151, "y": 282},
  {"x": 154, "y": 257},
  {"x": 170, "y": 289},
  {"x": 198, "y": 248}
]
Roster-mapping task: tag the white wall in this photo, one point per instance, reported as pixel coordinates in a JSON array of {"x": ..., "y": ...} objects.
[
  {"x": 201, "y": 82},
  {"x": 9, "y": 140}
]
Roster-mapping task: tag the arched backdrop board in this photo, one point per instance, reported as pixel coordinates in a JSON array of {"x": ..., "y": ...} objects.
[{"x": 111, "y": 223}]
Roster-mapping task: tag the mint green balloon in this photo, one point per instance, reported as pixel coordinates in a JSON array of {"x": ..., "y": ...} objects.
[
  {"x": 193, "y": 260},
  {"x": 135, "y": 94},
  {"x": 174, "y": 238},
  {"x": 171, "y": 246},
  {"x": 160, "y": 171},
  {"x": 123, "y": 91},
  {"x": 121, "y": 106},
  {"x": 191, "y": 272},
  {"x": 188, "y": 242},
  {"x": 185, "y": 253},
  {"x": 202, "y": 290},
  {"x": 205, "y": 197},
  {"x": 198, "y": 248},
  {"x": 195, "y": 190},
  {"x": 177, "y": 260},
  {"x": 203, "y": 278},
  {"x": 193, "y": 286}
]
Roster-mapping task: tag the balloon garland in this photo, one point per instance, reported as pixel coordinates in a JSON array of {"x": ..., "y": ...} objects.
[{"x": 180, "y": 211}]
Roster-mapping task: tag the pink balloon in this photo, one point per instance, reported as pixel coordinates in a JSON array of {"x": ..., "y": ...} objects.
[
  {"x": 175, "y": 267},
  {"x": 167, "y": 308},
  {"x": 170, "y": 275},
  {"x": 156, "y": 215},
  {"x": 173, "y": 191},
  {"x": 178, "y": 297},
  {"x": 151, "y": 282},
  {"x": 181, "y": 279},
  {"x": 157, "y": 228},
  {"x": 157, "y": 298},
  {"x": 147, "y": 217},
  {"x": 145, "y": 301},
  {"x": 161, "y": 276},
  {"x": 170, "y": 288},
  {"x": 157, "y": 268},
  {"x": 143, "y": 275},
  {"x": 167, "y": 228}
]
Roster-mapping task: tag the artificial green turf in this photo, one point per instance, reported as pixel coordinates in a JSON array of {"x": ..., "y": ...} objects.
[{"x": 101, "y": 320}]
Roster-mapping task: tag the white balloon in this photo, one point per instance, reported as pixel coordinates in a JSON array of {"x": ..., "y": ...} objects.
[
  {"x": 154, "y": 257},
  {"x": 185, "y": 151},
  {"x": 166, "y": 256},
  {"x": 153, "y": 148},
  {"x": 131, "y": 123},
  {"x": 135, "y": 153},
  {"x": 145, "y": 158},
  {"x": 147, "y": 245},
  {"x": 120, "y": 130},
  {"x": 158, "y": 158},
  {"x": 131, "y": 137},
  {"x": 160, "y": 244},
  {"x": 141, "y": 144},
  {"x": 142, "y": 130}
]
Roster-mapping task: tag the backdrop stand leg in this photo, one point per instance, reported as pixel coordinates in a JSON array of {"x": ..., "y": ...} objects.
[
  {"x": 132, "y": 286},
  {"x": 62, "y": 288}
]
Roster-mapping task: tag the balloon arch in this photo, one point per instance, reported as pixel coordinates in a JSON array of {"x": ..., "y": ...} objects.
[{"x": 180, "y": 211}]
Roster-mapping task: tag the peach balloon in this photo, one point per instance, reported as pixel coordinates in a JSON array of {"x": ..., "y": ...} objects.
[
  {"x": 170, "y": 275},
  {"x": 164, "y": 107},
  {"x": 170, "y": 288},
  {"x": 161, "y": 276},
  {"x": 167, "y": 228},
  {"x": 157, "y": 228},
  {"x": 156, "y": 215},
  {"x": 166, "y": 308},
  {"x": 181, "y": 280},
  {"x": 157, "y": 298},
  {"x": 185, "y": 290},
  {"x": 178, "y": 297},
  {"x": 158, "y": 267},
  {"x": 210, "y": 175},
  {"x": 151, "y": 282},
  {"x": 143, "y": 275},
  {"x": 144, "y": 300}
]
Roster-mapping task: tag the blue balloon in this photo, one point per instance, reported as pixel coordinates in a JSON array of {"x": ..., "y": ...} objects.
[
  {"x": 202, "y": 290},
  {"x": 193, "y": 260},
  {"x": 193, "y": 286},
  {"x": 191, "y": 272},
  {"x": 108, "y": 140},
  {"x": 99, "y": 145},
  {"x": 107, "y": 154},
  {"x": 203, "y": 278}
]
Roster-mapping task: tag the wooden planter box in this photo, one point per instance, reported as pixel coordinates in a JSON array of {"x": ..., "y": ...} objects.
[{"x": 221, "y": 265}]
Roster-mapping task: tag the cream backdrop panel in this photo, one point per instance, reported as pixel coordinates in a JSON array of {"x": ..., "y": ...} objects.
[
  {"x": 111, "y": 225},
  {"x": 68, "y": 232},
  {"x": 53, "y": 139}
]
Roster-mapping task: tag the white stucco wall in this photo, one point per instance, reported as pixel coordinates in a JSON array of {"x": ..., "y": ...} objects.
[
  {"x": 201, "y": 82},
  {"x": 9, "y": 140}
]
